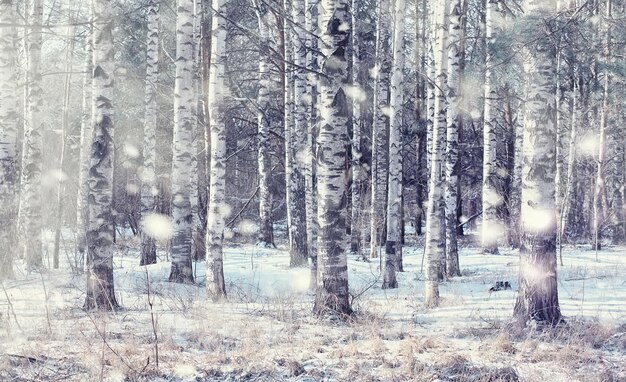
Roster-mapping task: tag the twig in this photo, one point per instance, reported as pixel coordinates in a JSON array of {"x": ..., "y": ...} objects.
[
  {"x": 154, "y": 331},
  {"x": 232, "y": 221},
  {"x": 11, "y": 307}
]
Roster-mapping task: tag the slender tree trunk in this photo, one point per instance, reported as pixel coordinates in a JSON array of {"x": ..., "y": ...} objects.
[
  {"x": 312, "y": 27},
  {"x": 216, "y": 286},
  {"x": 264, "y": 125},
  {"x": 393, "y": 245},
  {"x": 82, "y": 207},
  {"x": 8, "y": 139},
  {"x": 100, "y": 293},
  {"x": 30, "y": 196},
  {"x": 299, "y": 255},
  {"x": 435, "y": 242},
  {"x": 181, "y": 271},
  {"x": 332, "y": 288},
  {"x": 452, "y": 138},
  {"x": 379, "y": 130},
  {"x": 148, "y": 170},
  {"x": 537, "y": 298},
  {"x": 490, "y": 197},
  {"x": 358, "y": 172}
]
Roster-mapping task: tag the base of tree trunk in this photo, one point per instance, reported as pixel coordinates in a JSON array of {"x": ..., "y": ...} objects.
[
  {"x": 148, "y": 250},
  {"x": 181, "y": 274}
]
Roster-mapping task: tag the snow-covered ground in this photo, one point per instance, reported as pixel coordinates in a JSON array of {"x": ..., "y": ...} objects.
[{"x": 265, "y": 331}]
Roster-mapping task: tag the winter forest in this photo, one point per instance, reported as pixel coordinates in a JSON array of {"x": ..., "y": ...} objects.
[{"x": 313, "y": 190}]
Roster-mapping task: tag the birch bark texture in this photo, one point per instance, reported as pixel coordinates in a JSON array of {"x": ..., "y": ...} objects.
[
  {"x": 30, "y": 195},
  {"x": 537, "y": 298},
  {"x": 379, "y": 129},
  {"x": 393, "y": 245},
  {"x": 264, "y": 123},
  {"x": 82, "y": 207},
  {"x": 181, "y": 270},
  {"x": 490, "y": 229},
  {"x": 100, "y": 293},
  {"x": 435, "y": 242},
  {"x": 332, "y": 295},
  {"x": 8, "y": 139},
  {"x": 453, "y": 119},
  {"x": 216, "y": 286},
  {"x": 299, "y": 255},
  {"x": 148, "y": 171}
]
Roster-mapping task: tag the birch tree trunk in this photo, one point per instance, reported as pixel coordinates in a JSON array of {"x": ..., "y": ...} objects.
[
  {"x": 100, "y": 293},
  {"x": 148, "y": 170},
  {"x": 379, "y": 130},
  {"x": 358, "y": 172},
  {"x": 453, "y": 118},
  {"x": 299, "y": 253},
  {"x": 490, "y": 198},
  {"x": 332, "y": 287},
  {"x": 216, "y": 286},
  {"x": 82, "y": 205},
  {"x": 435, "y": 242},
  {"x": 181, "y": 271},
  {"x": 393, "y": 245},
  {"x": 8, "y": 139},
  {"x": 599, "y": 189},
  {"x": 30, "y": 196},
  {"x": 312, "y": 83},
  {"x": 537, "y": 298},
  {"x": 264, "y": 121}
]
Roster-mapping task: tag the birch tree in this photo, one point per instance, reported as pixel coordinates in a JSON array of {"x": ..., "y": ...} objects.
[
  {"x": 8, "y": 139},
  {"x": 82, "y": 206},
  {"x": 30, "y": 195},
  {"x": 100, "y": 294},
  {"x": 332, "y": 285},
  {"x": 264, "y": 122},
  {"x": 216, "y": 286},
  {"x": 435, "y": 242},
  {"x": 490, "y": 197},
  {"x": 312, "y": 83},
  {"x": 393, "y": 245},
  {"x": 379, "y": 129},
  {"x": 148, "y": 171},
  {"x": 299, "y": 135},
  {"x": 183, "y": 143},
  {"x": 453, "y": 119},
  {"x": 537, "y": 298}
]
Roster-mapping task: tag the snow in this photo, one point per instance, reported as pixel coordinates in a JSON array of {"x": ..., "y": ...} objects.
[
  {"x": 266, "y": 327},
  {"x": 157, "y": 226}
]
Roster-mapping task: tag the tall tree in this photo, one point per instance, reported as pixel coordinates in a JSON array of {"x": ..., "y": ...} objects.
[
  {"x": 82, "y": 205},
  {"x": 393, "y": 245},
  {"x": 490, "y": 197},
  {"x": 30, "y": 195},
  {"x": 435, "y": 242},
  {"x": 299, "y": 134},
  {"x": 216, "y": 286},
  {"x": 148, "y": 171},
  {"x": 182, "y": 147},
  {"x": 8, "y": 139},
  {"x": 265, "y": 121},
  {"x": 332, "y": 284},
  {"x": 379, "y": 130},
  {"x": 537, "y": 298},
  {"x": 453, "y": 118},
  {"x": 100, "y": 293},
  {"x": 312, "y": 84}
]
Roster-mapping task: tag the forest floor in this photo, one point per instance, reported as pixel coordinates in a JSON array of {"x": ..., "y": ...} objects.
[{"x": 266, "y": 332}]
